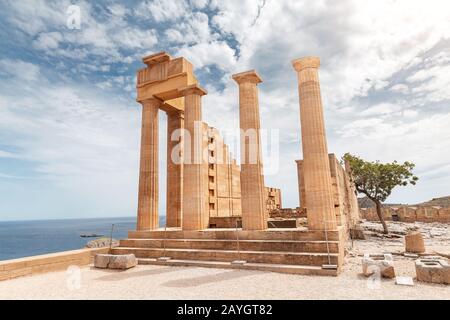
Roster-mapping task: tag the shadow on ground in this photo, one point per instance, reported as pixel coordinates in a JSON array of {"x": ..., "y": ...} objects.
[
  {"x": 117, "y": 275},
  {"x": 213, "y": 278}
]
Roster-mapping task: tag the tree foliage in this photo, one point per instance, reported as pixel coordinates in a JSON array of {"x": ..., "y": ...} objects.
[{"x": 376, "y": 180}]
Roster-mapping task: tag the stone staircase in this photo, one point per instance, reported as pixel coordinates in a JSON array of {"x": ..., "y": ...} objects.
[{"x": 280, "y": 250}]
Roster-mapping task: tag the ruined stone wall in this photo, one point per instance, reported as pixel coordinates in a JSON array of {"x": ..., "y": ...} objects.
[
  {"x": 223, "y": 179},
  {"x": 224, "y": 183},
  {"x": 409, "y": 214},
  {"x": 224, "y": 188},
  {"x": 345, "y": 200},
  {"x": 273, "y": 199}
]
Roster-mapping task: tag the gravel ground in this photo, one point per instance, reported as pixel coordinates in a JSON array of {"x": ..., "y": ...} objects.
[{"x": 160, "y": 282}]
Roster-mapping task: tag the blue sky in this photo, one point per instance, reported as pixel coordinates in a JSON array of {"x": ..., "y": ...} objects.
[{"x": 69, "y": 123}]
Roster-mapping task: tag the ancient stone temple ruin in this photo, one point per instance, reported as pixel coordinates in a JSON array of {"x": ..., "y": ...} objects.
[{"x": 217, "y": 212}]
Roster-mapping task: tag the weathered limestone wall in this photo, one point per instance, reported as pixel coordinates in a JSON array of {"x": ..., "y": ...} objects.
[
  {"x": 224, "y": 182},
  {"x": 409, "y": 214},
  {"x": 352, "y": 198},
  {"x": 224, "y": 188},
  {"x": 28, "y": 266},
  {"x": 345, "y": 201},
  {"x": 273, "y": 199},
  {"x": 406, "y": 214}
]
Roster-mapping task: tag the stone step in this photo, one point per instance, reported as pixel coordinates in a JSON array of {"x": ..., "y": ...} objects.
[
  {"x": 230, "y": 234},
  {"x": 281, "y": 268},
  {"x": 271, "y": 257},
  {"x": 226, "y": 244}
]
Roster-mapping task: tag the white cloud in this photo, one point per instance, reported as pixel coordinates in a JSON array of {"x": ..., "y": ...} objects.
[
  {"x": 80, "y": 142},
  {"x": 401, "y": 88},
  {"x": 19, "y": 69},
  {"x": 199, "y": 4},
  {"x": 433, "y": 83},
  {"x": 162, "y": 10},
  {"x": 381, "y": 109},
  {"x": 362, "y": 46},
  {"x": 132, "y": 38},
  {"x": 104, "y": 37},
  {"x": 6, "y": 154},
  {"x": 33, "y": 16},
  {"x": 47, "y": 41},
  {"x": 212, "y": 53}
]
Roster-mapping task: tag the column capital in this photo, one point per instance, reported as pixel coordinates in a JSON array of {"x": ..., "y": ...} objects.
[
  {"x": 192, "y": 89},
  {"x": 151, "y": 101},
  {"x": 247, "y": 76},
  {"x": 306, "y": 62}
]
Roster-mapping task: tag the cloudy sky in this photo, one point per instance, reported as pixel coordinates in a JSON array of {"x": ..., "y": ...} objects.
[{"x": 69, "y": 123}]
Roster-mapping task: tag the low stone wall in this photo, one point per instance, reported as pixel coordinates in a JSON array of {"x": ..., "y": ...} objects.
[
  {"x": 287, "y": 213},
  {"x": 409, "y": 214},
  {"x": 27, "y": 266},
  {"x": 225, "y": 222}
]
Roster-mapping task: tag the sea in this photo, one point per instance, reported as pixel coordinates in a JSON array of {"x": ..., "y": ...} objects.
[{"x": 28, "y": 238}]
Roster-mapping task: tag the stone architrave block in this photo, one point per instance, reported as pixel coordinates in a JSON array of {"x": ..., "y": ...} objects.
[{"x": 382, "y": 262}]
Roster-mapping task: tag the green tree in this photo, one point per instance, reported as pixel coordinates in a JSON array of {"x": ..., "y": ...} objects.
[{"x": 377, "y": 180}]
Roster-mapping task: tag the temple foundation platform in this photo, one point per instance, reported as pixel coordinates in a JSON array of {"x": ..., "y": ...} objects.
[{"x": 286, "y": 250}]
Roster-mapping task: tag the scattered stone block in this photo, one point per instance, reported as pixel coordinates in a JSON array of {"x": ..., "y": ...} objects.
[
  {"x": 382, "y": 262},
  {"x": 282, "y": 223},
  {"x": 414, "y": 242},
  {"x": 404, "y": 281},
  {"x": 101, "y": 261},
  {"x": 357, "y": 233},
  {"x": 433, "y": 270},
  {"x": 122, "y": 261}
]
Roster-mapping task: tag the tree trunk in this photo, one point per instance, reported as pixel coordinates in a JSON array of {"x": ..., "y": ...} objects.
[{"x": 380, "y": 216}]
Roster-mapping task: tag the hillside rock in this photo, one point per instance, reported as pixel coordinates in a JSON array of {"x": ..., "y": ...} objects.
[{"x": 101, "y": 243}]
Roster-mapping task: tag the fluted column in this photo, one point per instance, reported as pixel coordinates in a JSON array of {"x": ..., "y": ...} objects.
[
  {"x": 254, "y": 215},
  {"x": 147, "y": 218},
  {"x": 195, "y": 213},
  {"x": 316, "y": 166},
  {"x": 174, "y": 193}
]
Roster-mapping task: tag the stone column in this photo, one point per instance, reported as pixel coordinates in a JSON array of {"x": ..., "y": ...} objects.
[
  {"x": 148, "y": 174},
  {"x": 174, "y": 191},
  {"x": 316, "y": 165},
  {"x": 194, "y": 184},
  {"x": 254, "y": 214}
]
